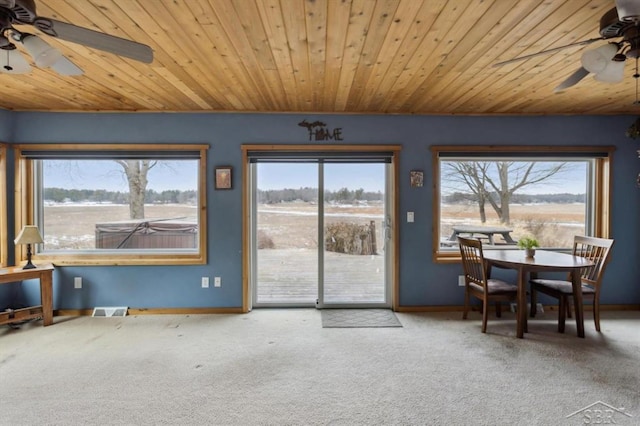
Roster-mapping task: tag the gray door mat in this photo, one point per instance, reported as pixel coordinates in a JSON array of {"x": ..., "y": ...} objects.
[{"x": 359, "y": 318}]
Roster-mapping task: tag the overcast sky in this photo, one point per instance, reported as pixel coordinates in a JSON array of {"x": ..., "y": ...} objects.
[
  {"x": 369, "y": 177},
  {"x": 108, "y": 175},
  {"x": 182, "y": 175}
]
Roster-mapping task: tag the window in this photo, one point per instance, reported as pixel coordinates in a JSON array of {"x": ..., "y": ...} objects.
[
  {"x": 114, "y": 204},
  {"x": 501, "y": 194},
  {"x": 3, "y": 205}
]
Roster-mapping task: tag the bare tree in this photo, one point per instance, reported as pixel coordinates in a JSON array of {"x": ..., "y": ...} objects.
[
  {"x": 495, "y": 182},
  {"x": 136, "y": 172},
  {"x": 473, "y": 175}
]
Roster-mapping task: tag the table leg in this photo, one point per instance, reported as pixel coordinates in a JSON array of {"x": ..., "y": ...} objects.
[
  {"x": 577, "y": 301},
  {"x": 507, "y": 238},
  {"x": 522, "y": 303},
  {"x": 46, "y": 297}
]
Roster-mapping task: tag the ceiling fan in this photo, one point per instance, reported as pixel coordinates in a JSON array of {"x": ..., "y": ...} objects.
[
  {"x": 23, "y": 12},
  {"x": 606, "y": 62}
]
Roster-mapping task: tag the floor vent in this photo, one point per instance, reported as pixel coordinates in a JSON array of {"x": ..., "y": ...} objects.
[
  {"x": 110, "y": 311},
  {"x": 539, "y": 308}
]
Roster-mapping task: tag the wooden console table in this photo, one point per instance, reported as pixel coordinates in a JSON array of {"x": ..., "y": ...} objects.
[{"x": 45, "y": 309}]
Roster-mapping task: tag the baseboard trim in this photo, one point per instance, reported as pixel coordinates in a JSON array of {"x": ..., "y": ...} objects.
[
  {"x": 455, "y": 308},
  {"x": 208, "y": 311},
  {"x": 153, "y": 311},
  {"x": 444, "y": 308},
  {"x": 589, "y": 307}
]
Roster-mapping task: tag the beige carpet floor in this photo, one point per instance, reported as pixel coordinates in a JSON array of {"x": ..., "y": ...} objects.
[{"x": 281, "y": 367}]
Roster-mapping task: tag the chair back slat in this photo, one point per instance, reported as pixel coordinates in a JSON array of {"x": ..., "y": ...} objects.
[
  {"x": 596, "y": 250},
  {"x": 473, "y": 261}
]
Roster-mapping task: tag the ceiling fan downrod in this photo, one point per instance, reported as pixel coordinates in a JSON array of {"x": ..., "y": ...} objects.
[{"x": 636, "y": 75}]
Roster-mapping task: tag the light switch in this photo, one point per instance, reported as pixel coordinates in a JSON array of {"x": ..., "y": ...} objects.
[{"x": 410, "y": 216}]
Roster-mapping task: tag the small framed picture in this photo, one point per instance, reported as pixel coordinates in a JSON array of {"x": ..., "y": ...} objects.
[
  {"x": 416, "y": 178},
  {"x": 223, "y": 177}
]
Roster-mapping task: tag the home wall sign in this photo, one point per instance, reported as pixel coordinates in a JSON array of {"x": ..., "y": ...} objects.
[{"x": 318, "y": 131}]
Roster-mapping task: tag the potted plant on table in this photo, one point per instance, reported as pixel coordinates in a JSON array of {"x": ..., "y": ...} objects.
[{"x": 529, "y": 245}]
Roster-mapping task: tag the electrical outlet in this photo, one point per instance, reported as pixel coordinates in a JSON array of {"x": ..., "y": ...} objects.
[
  {"x": 217, "y": 282},
  {"x": 205, "y": 282},
  {"x": 77, "y": 282},
  {"x": 461, "y": 280}
]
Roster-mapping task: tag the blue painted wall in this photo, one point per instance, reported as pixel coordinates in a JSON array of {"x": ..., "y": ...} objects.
[
  {"x": 5, "y": 125},
  {"x": 421, "y": 281}
]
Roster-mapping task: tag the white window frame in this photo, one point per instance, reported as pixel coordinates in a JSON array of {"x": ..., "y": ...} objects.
[
  {"x": 599, "y": 198},
  {"x": 29, "y": 200}
]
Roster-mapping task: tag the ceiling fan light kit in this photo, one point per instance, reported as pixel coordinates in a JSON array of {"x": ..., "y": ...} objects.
[
  {"x": 613, "y": 73},
  {"x": 44, "y": 55},
  {"x": 605, "y": 62},
  {"x": 596, "y": 60},
  {"x": 628, "y": 10}
]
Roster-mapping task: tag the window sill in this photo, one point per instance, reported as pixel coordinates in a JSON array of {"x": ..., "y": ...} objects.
[{"x": 116, "y": 260}]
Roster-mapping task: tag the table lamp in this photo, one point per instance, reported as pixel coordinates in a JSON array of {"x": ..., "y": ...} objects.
[{"x": 29, "y": 235}]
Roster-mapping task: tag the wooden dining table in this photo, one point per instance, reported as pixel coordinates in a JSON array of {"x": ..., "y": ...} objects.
[{"x": 543, "y": 261}]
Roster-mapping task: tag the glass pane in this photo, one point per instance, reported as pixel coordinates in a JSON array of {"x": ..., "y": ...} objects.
[
  {"x": 120, "y": 204},
  {"x": 287, "y": 233},
  {"x": 354, "y": 233},
  {"x": 502, "y": 201}
]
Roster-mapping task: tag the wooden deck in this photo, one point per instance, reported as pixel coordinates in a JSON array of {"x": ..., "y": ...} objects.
[{"x": 290, "y": 276}]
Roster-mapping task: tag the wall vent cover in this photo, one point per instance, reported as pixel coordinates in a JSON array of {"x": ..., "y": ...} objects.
[
  {"x": 539, "y": 308},
  {"x": 110, "y": 311}
]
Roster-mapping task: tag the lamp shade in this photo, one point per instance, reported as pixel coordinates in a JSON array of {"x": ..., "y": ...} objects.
[
  {"x": 43, "y": 54},
  {"x": 612, "y": 73},
  {"x": 12, "y": 62},
  {"x": 596, "y": 60},
  {"x": 29, "y": 235},
  {"x": 628, "y": 10}
]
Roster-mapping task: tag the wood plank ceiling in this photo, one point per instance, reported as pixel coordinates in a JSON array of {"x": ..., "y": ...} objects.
[{"x": 343, "y": 56}]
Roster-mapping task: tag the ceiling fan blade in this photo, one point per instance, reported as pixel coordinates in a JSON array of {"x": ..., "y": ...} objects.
[
  {"x": 572, "y": 80},
  {"x": 544, "y": 52},
  {"x": 97, "y": 40},
  {"x": 64, "y": 66}
]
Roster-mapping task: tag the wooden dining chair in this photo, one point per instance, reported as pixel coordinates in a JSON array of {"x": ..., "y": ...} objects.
[
  {"x": 595, "y": 249},
  {"x": 478, "y": 284}
]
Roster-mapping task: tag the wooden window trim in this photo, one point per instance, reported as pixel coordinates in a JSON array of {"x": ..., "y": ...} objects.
[
  {"x": 3, "y": 205},
  {"x": 602, "y": 188},
  {"x": 394, "y": 214},
  {"x": 25, "y": 208}
]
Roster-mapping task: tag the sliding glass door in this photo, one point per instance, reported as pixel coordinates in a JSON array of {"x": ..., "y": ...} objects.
[
  {"x": 286, "y": 234},
  {"x": 319, "y": 232},
  {"x": 353, "y": 258}
]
